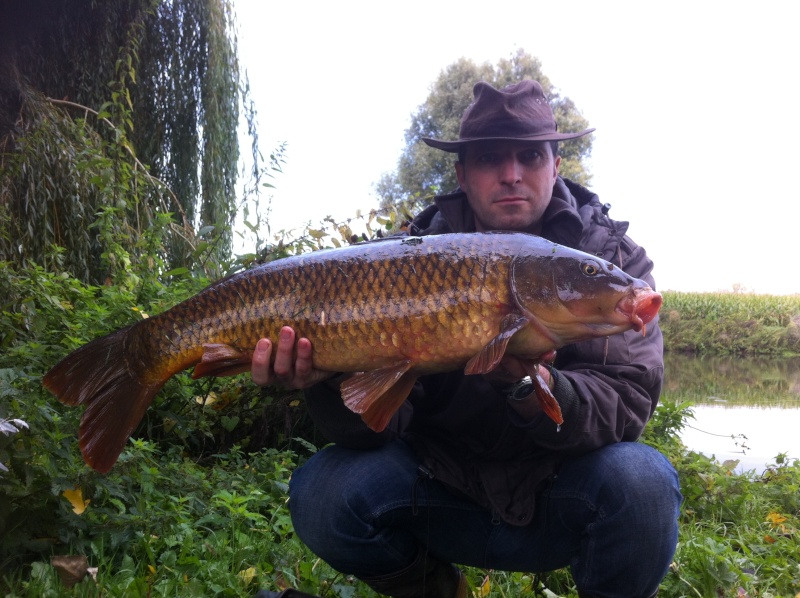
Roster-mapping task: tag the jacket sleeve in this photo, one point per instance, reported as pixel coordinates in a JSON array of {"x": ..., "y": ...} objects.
[
  {"x": 340, "y": 425},
  {"x": 609, "y": 387}
]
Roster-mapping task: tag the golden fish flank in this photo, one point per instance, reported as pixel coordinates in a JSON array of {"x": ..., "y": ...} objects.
[{"x": 388, "y": 311}]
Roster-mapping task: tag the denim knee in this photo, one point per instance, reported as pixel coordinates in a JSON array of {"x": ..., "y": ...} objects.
[
  {"x": 640, "y": 476},
  {"x": 338, "y": 497},
  {"x": 631, "y": 520}
]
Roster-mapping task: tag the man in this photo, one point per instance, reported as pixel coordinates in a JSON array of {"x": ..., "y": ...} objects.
[{"x": 470, "y": 470}]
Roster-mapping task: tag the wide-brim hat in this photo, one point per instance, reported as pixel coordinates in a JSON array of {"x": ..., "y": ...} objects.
[{"x": 518, "y": 112}]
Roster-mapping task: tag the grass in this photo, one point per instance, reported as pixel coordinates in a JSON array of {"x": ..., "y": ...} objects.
[{"x": 731, "y": 323}]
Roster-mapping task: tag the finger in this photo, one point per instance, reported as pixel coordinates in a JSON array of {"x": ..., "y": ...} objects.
[
  {"x": 260, "y": 370},
  {"x": 513, "y": 367},
  {"x": 303, "y": 365},
  {"x": 548, "y": 357},
  {"x": 284, "y": 354}
]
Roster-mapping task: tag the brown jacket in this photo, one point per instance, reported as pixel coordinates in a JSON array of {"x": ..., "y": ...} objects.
[{"x": 463, "y": 430}]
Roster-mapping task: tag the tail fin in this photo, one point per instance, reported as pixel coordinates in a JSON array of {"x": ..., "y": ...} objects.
[{"x": 116, "y": 394}]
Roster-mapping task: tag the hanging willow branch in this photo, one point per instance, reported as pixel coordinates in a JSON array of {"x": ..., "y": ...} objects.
[
  {"x": 162, "y": 77},
  {"x": 86, "y": 110}
]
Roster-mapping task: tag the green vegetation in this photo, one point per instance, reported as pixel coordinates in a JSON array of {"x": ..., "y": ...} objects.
[
  {"x": 129, "y": 108},
  {"x": 197, "y": 503},
  {"x": 731, "y": 323}
]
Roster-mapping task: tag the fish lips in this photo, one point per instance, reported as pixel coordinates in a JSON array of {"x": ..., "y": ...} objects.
[{"x": 640, "y": 307}]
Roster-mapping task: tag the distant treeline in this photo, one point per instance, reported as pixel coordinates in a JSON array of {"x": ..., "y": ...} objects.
[{"x": 731, "y": 323}]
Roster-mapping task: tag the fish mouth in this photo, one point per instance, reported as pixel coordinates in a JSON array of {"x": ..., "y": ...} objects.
[{"x": 640, "y": 306}]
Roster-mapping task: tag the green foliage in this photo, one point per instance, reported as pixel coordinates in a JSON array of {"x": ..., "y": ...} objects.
[
  {"x": 45, "y": 314},
  {"x": 731, "y": 323},
  {"x": 423, "y": 171},
  {"x": 162, "y": 525},
  {"x": 187, "y": 110},
  {"x": 146, "y": 123},
  {"x": 738, "y": 533}
]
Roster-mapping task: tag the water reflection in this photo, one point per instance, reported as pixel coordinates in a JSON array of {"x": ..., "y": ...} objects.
[
  {"x": 745, "y": 409},
  {"x": 733, "y": 380}
]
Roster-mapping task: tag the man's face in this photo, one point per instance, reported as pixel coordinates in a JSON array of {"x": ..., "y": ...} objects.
[{"x": 508, "y": 183}]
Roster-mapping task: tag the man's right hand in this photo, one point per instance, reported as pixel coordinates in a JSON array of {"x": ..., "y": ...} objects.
[{"x": 292, "y": 367}]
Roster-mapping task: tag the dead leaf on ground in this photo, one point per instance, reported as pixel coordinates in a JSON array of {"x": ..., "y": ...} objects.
[{"x": 71, "y": 568}]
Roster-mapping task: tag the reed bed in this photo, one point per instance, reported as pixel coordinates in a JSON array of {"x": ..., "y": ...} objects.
[{"x": 731, "y": 323}]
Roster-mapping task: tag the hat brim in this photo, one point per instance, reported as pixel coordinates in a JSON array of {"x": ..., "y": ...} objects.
[{"x": 454, "y": 146}]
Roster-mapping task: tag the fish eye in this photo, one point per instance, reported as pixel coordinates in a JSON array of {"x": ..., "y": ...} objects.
[{"x": 590, "y": 268}]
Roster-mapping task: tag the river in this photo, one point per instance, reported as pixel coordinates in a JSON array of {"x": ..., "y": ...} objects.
[{"x": 745, "y": 409}]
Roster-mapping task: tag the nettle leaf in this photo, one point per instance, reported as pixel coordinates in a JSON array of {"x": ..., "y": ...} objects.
[{"x": 229, "y": 423}]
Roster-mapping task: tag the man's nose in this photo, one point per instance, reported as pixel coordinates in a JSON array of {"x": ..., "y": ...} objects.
[{"x": 511, "y": 171}]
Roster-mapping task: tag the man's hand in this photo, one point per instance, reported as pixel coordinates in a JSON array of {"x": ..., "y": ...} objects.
[
  {"x": 512, "y": 369},
  {"x": 292, "y": 368}
]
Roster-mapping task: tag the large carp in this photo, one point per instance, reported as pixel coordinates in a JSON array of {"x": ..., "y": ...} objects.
[{"x": 389, "y": 310}]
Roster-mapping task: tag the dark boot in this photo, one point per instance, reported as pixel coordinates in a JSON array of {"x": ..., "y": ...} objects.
[{"x": 424, "y": 578}]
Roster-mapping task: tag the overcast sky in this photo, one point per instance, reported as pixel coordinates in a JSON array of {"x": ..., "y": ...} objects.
[{"x": 695, "y": 104}]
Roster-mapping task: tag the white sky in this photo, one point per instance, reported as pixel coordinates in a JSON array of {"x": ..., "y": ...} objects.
[{"x": 695, "y": 104}]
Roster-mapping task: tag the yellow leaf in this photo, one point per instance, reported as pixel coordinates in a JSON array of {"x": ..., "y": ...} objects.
[
  {"x": 206, "y": 400},
  {"x": 769, "y": 539},
  {"x": 151, "y": 569},
  {"x": 486, "y": 587},
  {"x": 75, "y": 498},
  {"x": 247, "y": 575},
  {"x": 775, "y": 518}
]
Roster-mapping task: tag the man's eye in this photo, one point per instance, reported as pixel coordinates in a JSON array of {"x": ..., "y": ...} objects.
[
  {"x": 529, "y": 156},
  {"x": 487, "y": 158}
]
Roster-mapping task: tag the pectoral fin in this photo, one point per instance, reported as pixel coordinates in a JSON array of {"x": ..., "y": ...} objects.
[
  {"x": 376, "y": 395},
  {"x": 222, "y": 360},
  {"x": 546, "y": 398},
  {"x": 491, "y": 354}
]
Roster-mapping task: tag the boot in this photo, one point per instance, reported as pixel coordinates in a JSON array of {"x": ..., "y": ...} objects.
[{"x": 424, "y": 578}]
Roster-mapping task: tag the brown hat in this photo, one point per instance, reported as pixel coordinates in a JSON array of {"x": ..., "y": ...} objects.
[{"x": 518, "y": 112}]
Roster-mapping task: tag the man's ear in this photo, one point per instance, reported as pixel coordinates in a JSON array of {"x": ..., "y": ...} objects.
[
  {"x": 460, "y": 174},
  {"x": 556, "y": 164}
]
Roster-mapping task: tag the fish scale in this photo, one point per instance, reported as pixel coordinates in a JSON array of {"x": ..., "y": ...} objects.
[{"x": 385, "y": 311}]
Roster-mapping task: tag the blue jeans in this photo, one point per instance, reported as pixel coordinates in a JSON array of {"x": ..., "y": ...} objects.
[{"x": 610, "y": 515}]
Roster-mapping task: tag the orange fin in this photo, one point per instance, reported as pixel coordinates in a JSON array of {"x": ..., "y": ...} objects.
[
  {"x": 491, "y": 354},
  {"x": 546, "y": 398},
  {"x": 222, "y": 360},
  {"x": 376, "y": 395},
  {"x": 116, "y": 396}
]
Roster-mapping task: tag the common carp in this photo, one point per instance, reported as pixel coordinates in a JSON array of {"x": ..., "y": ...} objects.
[{"x": 388, "y": 311}]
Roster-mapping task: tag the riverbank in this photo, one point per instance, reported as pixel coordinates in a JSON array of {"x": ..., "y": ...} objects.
[{"x": 731, "y": 324}]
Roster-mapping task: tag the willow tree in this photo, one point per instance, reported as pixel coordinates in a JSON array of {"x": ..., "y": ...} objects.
[
  {"x": 113, "y": 114},
  {"x": 422, "y": 170}
]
